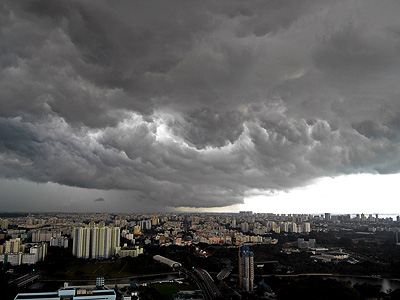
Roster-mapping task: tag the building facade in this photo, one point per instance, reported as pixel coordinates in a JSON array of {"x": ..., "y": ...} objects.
[
  {"x": 246, "y": 269},
  {"x": 95, "y": 242}
]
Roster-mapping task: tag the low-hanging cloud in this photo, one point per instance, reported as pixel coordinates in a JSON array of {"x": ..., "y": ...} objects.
[{"x": 198, "y": 104}]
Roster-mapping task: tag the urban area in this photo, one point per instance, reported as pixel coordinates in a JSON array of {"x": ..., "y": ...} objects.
[{"x": 206, "y": 256}]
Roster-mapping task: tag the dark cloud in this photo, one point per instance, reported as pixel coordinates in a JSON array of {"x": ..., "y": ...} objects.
[{"x": 198, "y": 103}]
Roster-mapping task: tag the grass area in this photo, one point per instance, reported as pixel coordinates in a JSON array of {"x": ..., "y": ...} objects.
[
  {"x": 91, "y": 270},
  {"x": 166, "y": 290}
]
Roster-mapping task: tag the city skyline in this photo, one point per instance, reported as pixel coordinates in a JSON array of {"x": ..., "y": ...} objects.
[{"x": 282, "y": 107}]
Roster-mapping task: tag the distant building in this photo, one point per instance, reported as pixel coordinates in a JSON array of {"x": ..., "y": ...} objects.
[
  {"x": 13, "y": 246},
  {"x": 3, "y": 223},
  {"x": 245, "y": 213},
  {"x": 306, "y": 227},
  {"x": 59, "y": 242},
  {"x": 302, "y": 244},
  {"x": 327, "y": 217},
  {"x": 244, "y": 226},
  {"x": 246, "y": 269},
  {"x": 44, "y": 236},
  {"x": 145, "y": 224},
  {"x": 36, "y": 253},
  {"x": 124, "y": 252}
]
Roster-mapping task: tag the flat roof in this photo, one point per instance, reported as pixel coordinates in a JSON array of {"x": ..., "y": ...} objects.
[
  {"x": 55, "y": 295},
  {"x": 37, "y": 295}
]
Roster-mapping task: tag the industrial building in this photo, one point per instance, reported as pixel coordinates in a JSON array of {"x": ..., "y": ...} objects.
[{"x": 70, "y": 293}]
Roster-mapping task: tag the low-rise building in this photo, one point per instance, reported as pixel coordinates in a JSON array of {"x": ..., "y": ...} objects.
[{"x": 70, "y": 293}]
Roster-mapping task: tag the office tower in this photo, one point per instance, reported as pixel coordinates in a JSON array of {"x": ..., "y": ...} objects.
[{"x": 246, "y": 269}]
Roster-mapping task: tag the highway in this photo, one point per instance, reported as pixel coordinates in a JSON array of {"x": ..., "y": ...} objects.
[
  {"x": 204, "y": 282},
  {"x": 209, "y": 282},
  {"x": 25, "y": 279}
]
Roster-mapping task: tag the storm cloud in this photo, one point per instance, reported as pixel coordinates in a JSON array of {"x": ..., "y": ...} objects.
[{"x": 198, "y": 103}]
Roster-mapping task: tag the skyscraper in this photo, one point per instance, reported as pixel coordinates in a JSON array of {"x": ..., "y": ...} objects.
[{"x": 246, "y": 269}]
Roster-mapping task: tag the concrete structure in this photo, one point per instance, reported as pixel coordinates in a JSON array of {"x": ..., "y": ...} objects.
[
  {"x": 13, "y": 246},
  {"x": 44, "y": 236},
  {"x": 95, "y": 242},
  {"x": 302, "y": 244},
  {"x": 100, "y": 282},
  {"x": 129, "y": 252},
  {"x": 70, "y": 293},
  {"x": 167, "y": 261},
  {"x": 246, "y": 269},
  {"x": 59, "y": 242},
  {"x": 3, "y": 223},
  {"x": 81, "y": 242},
  {"x": 36, "y": 253}
]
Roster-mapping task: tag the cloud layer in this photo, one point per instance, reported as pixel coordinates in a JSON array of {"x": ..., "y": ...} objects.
[{"x": 198, "y": 103}]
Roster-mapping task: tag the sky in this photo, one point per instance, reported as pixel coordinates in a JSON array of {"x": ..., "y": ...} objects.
[{"x": 270, "y": 106}]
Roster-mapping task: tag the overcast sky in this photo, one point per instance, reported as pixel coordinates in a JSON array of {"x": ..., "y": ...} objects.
[{"x": 156, "y": 105}]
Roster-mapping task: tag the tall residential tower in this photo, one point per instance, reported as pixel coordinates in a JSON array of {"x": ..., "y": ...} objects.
[{"x": 246, "y": 268}]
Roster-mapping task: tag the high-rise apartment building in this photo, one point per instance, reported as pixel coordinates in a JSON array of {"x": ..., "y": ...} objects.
[
  {"x": 246, "y": 269},
  {"x": 13, "y": 246},
  {"x": 145, "y": 224},
  {"x": 81, "y": 242},
  {"x": 327, "y": 217},
  {"x": 94, "y": 240},
  {"x": 115, "y": 239},
  {"x": 3, "y": 223},
  {"x": 95, "y": 243}
]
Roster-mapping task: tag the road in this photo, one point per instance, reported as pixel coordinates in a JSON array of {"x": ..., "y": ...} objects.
[
  {"x": 204, "y": 282},
  {"x": 25, "y": 279}
]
